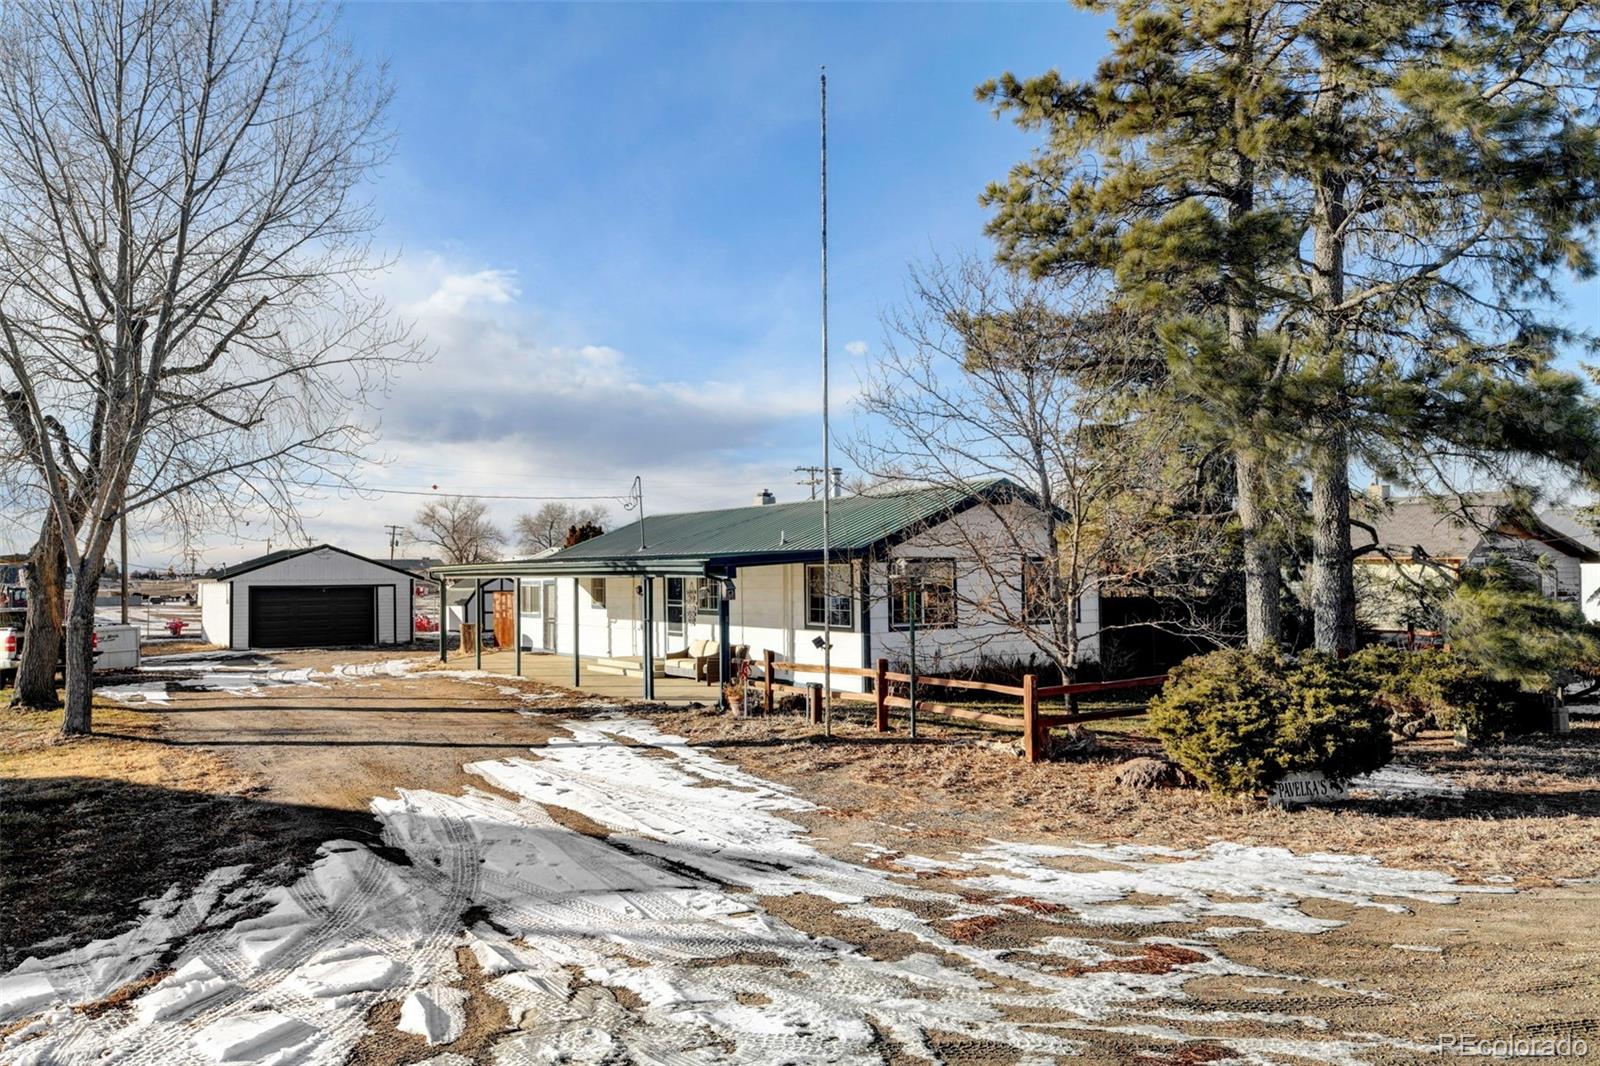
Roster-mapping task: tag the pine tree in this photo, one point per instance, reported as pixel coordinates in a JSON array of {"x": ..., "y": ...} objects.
[
  {"x": 1451, "y": 172},
  {"x": 1371, "y": 202},
  {"x": 1160, "y": 171}
]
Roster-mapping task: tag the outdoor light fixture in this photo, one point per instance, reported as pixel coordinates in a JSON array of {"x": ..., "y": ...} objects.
[{"x": 819, "y": 643}]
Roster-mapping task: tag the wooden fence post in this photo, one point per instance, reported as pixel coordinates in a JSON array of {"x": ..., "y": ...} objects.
[
  {"x": 1032, "y": 736},
  {"x": 880, "y": 688},
  {"x": 767, "y": 659},
  {"x": 816, "y": 702}
]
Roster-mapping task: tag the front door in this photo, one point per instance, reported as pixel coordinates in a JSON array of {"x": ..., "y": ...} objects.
[
  {"x": 505, "y": 619},
  {"x": 675, "y": 607},
  {"x": 549, "y": 597}
]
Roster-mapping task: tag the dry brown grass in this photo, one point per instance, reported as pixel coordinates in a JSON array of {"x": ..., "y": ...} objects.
[
  {"x": 178, "y": 647},
  {"x": 1530, "y": 811}
]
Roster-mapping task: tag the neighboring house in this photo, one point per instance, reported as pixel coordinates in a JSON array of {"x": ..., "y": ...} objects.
[
  {"x": 1423, "y": 545},
  {"x": 320, "y": 596},
  {"x": 753, "y": 576},
  {"x": 1568, "y": 522}
]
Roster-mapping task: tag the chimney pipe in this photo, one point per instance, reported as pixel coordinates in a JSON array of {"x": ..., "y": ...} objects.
[{"x": 765, "y": 498}]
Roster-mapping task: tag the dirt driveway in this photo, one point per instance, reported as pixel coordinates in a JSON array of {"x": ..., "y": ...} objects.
[{"x": 590, "y": 888}]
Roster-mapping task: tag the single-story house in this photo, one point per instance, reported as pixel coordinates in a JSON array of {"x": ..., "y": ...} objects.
[
  {"x": 319, "y": 596},
  {"x": 753, "y": 577},
  {"x": 1423, "y": 544}
]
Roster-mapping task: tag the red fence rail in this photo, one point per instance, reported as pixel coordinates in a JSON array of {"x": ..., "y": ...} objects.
[{"x": 1035, "y": 727}]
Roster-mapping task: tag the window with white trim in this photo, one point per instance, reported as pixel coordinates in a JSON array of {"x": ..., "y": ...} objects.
[
  {"x": 831, "y": 605},
  {"x": 932, "y": 584}
]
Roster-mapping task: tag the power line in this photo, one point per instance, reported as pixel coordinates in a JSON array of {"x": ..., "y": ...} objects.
[{"x": 436, "y": 491}]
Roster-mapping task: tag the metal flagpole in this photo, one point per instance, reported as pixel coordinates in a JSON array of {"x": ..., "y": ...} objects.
[{"x": 827, "y": 569}]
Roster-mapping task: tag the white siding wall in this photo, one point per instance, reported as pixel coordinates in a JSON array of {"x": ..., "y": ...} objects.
[
  {"x": 325, "y": 567},
  {"x": 215, "y": 612},
  {"x": 1590, "y": 581}
]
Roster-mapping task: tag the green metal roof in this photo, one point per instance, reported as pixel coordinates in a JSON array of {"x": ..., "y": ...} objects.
[{"x": 689, "y": 542}]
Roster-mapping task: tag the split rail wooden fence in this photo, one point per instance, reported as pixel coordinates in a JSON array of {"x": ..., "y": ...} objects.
[{"x": 1035, "y": 726}]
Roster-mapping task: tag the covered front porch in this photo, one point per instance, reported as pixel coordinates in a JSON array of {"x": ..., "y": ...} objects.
[
  {"x": 561, "y": 625},
  {"x": 588, "y": 674}
]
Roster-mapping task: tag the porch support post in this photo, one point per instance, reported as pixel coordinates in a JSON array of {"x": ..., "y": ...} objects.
[
  {"x": 648, "y": 662},
  {"x": 477, "y": 636},
  {"x": 577, "y": 667},
  {"x": 724, "y": 651},
  {"x": 444, "y": 618},
  {"x": 516, "y": 603}
]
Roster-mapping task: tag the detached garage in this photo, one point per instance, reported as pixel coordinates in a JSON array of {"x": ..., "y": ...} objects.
[{"x": 307, "y": 598}]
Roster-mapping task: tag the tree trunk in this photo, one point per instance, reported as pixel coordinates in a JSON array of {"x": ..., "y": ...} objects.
[
  {"x": 1333, "y": 588},
  {"x": 41, "y": 639},
  {"x": 79, "y": 719},
  {"x": 1262, "y": 612}
]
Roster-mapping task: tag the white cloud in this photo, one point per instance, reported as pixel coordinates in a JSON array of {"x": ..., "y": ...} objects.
[
  {"x": 459, "y": 292},
  {"x": 856, "y": 348}
]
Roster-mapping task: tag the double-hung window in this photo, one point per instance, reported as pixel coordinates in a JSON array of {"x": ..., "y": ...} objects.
[
  {"x": 709, "y": 598},
  {"x": 829, "y": 602},
  {"x": 927, "y": 591}
]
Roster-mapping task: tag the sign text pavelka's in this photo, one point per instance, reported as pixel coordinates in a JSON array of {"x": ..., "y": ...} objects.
[{"x": 1301, "y": 788}]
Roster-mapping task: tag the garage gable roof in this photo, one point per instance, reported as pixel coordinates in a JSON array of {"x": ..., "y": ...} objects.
[{"x": 228, "y": 573}]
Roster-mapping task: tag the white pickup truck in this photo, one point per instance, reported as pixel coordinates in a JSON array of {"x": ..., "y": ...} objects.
[{"x": 115, "y": 647}]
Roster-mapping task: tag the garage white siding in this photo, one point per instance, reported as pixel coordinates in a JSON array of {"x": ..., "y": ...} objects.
[
  {"x": 215, "y": 618},
  {"x": 324, "y": 566}
]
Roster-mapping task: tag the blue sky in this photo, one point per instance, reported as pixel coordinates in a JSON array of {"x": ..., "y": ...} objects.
[{"x": 604, "y": 219}]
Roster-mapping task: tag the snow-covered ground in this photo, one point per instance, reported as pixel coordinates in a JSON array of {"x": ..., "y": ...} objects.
[{"x": 668, "y": 908}]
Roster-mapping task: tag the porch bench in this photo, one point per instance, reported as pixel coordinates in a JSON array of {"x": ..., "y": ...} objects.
[{"x": 701, "y": 661}]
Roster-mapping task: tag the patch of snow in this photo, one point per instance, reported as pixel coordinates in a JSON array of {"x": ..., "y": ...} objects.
[
  {"x": 136, "y": 692},
  {"x": 260, "y": 1036},
  {"x": 24, "y": 993},
  {"x": 434, "y": 1012},
  {"x": 180, "y": 994},
  {"x": 346, "y": 970},
  {"x": 1223, "y": 880},
  {"x": 1400, "y": 781}
]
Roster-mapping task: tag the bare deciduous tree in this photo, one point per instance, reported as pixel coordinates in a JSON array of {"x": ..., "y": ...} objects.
[
  {"x": 459, "y": 527},
  {"x": 547, "y": 527},
  {"x": 987, "y": 374},
  {"x": 181, "y": 251}
]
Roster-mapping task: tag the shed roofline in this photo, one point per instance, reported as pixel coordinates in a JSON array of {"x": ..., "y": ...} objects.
[{"x": 262, "y": 562}]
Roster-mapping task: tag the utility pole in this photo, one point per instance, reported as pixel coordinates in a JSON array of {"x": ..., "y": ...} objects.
[
  {"x": 394, "y": 539},
  {"x": 813, "y": 478},
  {"x": 122, "y": 567}
]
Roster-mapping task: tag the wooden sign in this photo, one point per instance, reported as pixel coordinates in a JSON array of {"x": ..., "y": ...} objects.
[{"x": 1298, "y": 789}]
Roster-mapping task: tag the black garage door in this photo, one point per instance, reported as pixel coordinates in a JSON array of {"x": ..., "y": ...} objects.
[{"x": 312, "y": 616}]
